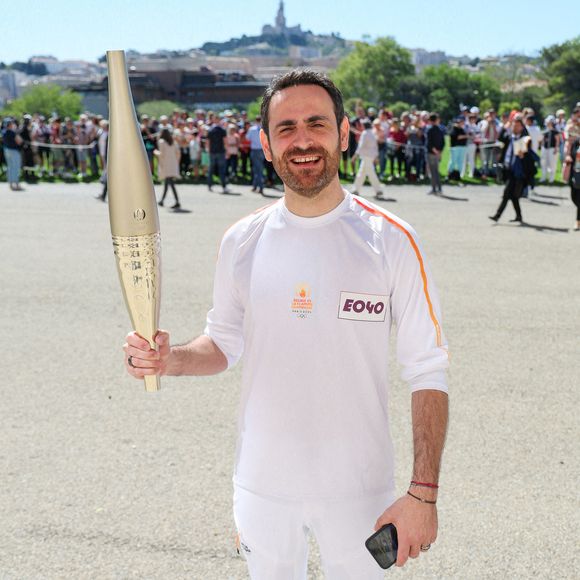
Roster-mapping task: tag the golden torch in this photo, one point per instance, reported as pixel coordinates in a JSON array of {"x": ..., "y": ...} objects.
[{"x": 133, "y": 209}]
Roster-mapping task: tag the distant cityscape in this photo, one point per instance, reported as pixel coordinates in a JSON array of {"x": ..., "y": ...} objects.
[{"x": 231, "y": 73}]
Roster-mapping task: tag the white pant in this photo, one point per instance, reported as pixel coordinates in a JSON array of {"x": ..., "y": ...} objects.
[
  {"x": 548, "y": 161},
  {"x": 367, "y": 169},
  {"x": 274, "y": 535},
  {"x": 469, "y": 159}
]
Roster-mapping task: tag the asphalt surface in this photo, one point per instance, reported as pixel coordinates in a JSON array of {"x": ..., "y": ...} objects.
[{"x": 102, "y": 480}]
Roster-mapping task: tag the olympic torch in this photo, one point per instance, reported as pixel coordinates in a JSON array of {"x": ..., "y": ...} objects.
[{"x": 133, "y": 209}]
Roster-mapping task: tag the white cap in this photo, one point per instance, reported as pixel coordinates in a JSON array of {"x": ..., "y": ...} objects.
[{"x": 474, "y": 110}]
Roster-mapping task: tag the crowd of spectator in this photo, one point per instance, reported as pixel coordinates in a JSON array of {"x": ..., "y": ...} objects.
[{"x": 226, "y": 145}]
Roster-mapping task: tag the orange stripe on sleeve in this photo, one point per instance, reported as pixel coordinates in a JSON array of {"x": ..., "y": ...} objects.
[{"x": 419, "y": 258}]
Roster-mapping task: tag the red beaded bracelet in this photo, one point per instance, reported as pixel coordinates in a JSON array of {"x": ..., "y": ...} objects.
[{"x": 423, "y": 484}]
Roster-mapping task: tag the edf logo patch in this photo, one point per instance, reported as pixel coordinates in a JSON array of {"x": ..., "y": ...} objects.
[{"x": 366, "y": 307}]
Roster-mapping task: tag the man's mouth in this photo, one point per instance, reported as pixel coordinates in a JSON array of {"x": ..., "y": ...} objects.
[{"x": 306, "y": 160}]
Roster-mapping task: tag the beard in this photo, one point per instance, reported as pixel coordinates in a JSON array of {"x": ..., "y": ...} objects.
[{"x": 307, "y": 181}]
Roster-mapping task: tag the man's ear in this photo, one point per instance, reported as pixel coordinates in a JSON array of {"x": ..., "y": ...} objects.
[
  {"x": 344, "y": 131},
  {"x": 265, "y": 145}
]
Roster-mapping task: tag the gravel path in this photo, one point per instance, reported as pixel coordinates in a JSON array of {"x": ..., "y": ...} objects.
[{"x": 101, "y": 480}]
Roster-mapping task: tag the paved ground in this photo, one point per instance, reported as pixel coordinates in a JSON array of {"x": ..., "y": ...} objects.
[{"x": 101, "y": 480}]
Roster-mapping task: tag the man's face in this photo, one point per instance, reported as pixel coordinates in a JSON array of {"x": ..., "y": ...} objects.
[{"x": 304, "y": 144}]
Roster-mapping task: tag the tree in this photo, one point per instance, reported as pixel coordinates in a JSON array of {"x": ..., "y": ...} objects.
[
  {"x": 533, "y": 96},
  {"x": 372, "y": 72},
  {"x": 398, "y": 108},
  {"x": 561, "y": 68},
  {"x": 46, "y": 100},
  {"x": 157, "y": 108},
  {"x": 253, "y": 109},
  {"x": 443, "y": 88}
]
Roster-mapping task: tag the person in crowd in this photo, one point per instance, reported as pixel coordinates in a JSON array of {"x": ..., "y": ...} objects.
[
  {"x": 367, "y": 151},
  {"x": 458, "y": 142},
  {"x": 195, "y": 152},
  {"x": 181, "y": 138},
  {"x": 56, "y": 142},
  {"x": 416, "y": 142},
  {"x": 505, "y": 133},
  {"x": 245, "y": 148},
  {"x": 216, "y": 143},
  {"x": 355, "y": 131},
  {"x": 93, "y": 130},
  {"x": 572, "y": 131},
  {"x": 381, "y": 138},
  {"x": 536, "y": 138},
  {"x": 103, "y": 144},
  {"x": 232, "y": 151},
  {"x": 168, "y": 155},
  {"x": 12, "y": 144},
  {"x": 203, "y": 145},
  {"x": 256, "y": 155},
  {"x": 550, "y": 148},
  {"x": 164, "y": 124},
  {"x": 41, "y": 140},
  {"x": 473, "y": 134},
  {"x": 574, "y": 161},
  {"x": 149, "y": 140},
  {"x": 82, "y": 140},
  {"x": 520, "y": 166},
  {"x": 397, "y": 142},
  {"x": 385, "y": 120},
  {"x": 69, "y": 138},
  {"x": 25, "y": 132},
  {"x": 560, "y": 126},
  {"x": 102, "y": 141},
  {"x": 435, "y": 146},
  {"x": 489, "y": 129}
]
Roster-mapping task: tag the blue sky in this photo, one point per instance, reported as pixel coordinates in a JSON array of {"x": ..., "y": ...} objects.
[{"x": 85, "y": 29}]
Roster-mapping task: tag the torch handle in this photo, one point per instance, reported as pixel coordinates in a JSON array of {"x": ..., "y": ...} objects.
[
  {"x": 152, "y": 383},
  {"x": 138, "y": 264}
]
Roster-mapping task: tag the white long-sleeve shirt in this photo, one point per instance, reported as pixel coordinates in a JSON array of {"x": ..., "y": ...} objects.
[
  {"x": 309, "y": 302},
  {"x": 367, "y": 145}
]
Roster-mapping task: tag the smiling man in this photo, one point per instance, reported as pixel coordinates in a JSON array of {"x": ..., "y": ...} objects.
[{"x": 306, "y": 290}]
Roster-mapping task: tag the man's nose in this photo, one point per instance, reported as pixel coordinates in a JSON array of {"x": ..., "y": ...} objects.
[{"x": 302, "y": 138}]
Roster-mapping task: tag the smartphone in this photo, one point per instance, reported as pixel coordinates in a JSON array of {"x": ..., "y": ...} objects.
[{"x": 383, "y": 546}]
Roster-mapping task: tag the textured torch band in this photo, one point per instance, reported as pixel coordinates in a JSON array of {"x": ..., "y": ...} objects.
[{"x": 138, "y": 263}]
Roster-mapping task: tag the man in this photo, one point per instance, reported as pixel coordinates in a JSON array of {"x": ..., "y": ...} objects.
[
  {"x": 368, "y": 151},
  {"x": 519, "y": 164},
  {"x": 256, "y": 156},
  {"x": 307, "y": 289},
  {"x": 216, "y": 143},
  {"x": 435, "y": 146}
]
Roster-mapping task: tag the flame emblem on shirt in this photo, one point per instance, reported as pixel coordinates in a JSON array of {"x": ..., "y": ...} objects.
[{"x": 302, "y": 302}]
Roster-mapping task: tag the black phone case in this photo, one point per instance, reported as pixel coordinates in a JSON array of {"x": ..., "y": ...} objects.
[{"x": 383, "y": 546}]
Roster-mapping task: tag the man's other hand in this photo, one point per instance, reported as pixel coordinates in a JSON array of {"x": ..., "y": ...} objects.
[{"x": 416, "y": 525}]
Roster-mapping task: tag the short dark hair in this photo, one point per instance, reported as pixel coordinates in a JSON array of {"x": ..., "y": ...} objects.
[
  {"x": 433, "y": 117},
  {"x": 295, "y": 78}
]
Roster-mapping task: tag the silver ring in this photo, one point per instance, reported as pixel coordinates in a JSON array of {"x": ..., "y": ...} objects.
[
  {"x": 130, "y": 362},
  {"x": 425, "y": 547}
]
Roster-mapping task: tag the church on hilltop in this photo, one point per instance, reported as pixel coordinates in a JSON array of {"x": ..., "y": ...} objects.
[{"x": 280, "y": 27}]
